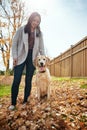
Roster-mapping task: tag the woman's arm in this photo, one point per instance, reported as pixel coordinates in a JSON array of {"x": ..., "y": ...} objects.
[
  {"x": 15, "y": 44},
  {"x": 41, "y": 46}
]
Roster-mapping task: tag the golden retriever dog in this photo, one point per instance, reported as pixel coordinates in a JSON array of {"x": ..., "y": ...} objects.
[{"x": 42, "y": 77}]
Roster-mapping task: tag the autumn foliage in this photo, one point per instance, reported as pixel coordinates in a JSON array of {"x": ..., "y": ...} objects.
[
  {"x": 12, "y": 16},
  {"x": 66, "y": 109}
]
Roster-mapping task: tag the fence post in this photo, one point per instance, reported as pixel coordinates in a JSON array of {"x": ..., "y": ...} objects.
[
  {"x": 54, "y": 66},
  {"x": 84, "y": 60},
  {"x": 71, "y": 60},
  {"x": 60, "y": 65}
]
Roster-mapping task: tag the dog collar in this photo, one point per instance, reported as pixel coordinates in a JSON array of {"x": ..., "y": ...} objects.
[{"x": 42, "y": 71}]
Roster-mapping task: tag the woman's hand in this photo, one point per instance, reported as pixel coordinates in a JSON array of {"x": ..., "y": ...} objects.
[{"x": 15, "y": 62}]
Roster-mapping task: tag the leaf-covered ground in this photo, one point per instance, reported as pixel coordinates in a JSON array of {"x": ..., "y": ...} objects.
[{"x": 66, "y": 109}]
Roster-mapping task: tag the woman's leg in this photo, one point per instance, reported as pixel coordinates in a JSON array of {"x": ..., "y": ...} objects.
[
  {"x": 16, "y": 82},
  {"x": 29, "y": 74}
]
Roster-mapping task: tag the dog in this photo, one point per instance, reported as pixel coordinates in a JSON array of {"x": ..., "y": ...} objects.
[{"x": 42, "y": 77}]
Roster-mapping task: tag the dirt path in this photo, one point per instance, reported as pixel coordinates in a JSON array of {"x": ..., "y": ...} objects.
[{"x": 66, "y": 109}]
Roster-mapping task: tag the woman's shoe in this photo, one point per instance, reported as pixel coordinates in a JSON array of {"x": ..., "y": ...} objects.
[{"x": 12, "y": 107}]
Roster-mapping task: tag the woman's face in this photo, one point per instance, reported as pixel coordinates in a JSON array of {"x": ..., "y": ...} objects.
[{"x": 35, "y": 22}]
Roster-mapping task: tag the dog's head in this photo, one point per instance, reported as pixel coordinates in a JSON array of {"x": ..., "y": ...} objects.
[{"x": 41, "y": 62}]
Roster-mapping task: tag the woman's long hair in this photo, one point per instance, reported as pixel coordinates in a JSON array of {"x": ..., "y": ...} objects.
[{"x": 27, "y": 28}]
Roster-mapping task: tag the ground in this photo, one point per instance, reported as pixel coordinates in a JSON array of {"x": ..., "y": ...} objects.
[{"x": 66, "y": 109}]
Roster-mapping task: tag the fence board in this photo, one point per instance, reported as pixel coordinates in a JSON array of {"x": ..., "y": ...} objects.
[{"x": 71, "y": 63}]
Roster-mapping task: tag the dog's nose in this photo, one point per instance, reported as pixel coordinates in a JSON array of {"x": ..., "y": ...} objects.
[{"x": 41, "y": 63}]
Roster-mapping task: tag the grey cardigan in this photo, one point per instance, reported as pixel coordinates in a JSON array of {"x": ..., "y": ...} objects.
[{"x": 20, "y": 46}]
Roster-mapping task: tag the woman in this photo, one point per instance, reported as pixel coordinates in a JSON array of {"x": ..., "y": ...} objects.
[{"x": 27, "y": 44}]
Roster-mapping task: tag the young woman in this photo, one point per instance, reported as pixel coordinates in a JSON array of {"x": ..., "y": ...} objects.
[{"x": 27, "y": 44}]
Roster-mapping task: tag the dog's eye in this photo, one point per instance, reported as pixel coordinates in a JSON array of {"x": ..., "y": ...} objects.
[
  {"x": 44, "y": 59},
  {"x": 39, "y": 59}
]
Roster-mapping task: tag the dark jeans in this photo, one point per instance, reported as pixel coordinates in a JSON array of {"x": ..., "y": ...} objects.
[{"x": 17, "y": 78}]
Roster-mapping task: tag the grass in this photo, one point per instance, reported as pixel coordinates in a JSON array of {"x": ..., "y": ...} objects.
[
  {"x": 83, "y": 81},
  {"x": 68, "y": 79},
  {"x": 83, "y": 86},
  {"x": 59, "y": 79},
  {"x": 5, "y": 90}
]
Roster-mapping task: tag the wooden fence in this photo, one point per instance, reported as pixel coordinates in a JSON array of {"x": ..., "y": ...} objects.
[{"x": 71, "y": 63}]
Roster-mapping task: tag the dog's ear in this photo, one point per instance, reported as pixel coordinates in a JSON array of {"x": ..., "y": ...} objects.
[
  {"x": 48, "y": 60},
  {"x": 35, "y": 61}
]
